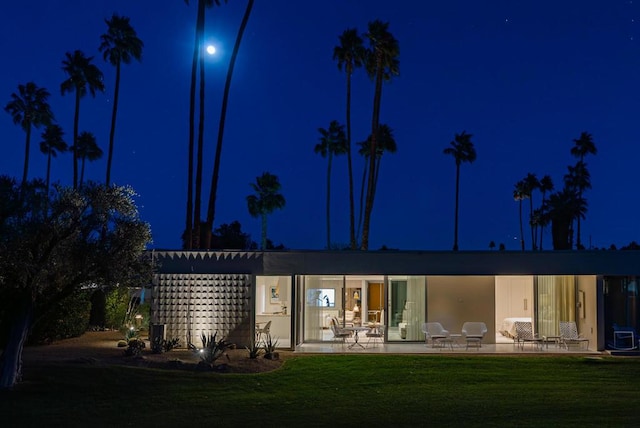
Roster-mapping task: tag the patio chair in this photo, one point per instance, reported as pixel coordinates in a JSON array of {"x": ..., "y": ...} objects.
[
  {"x": 524, "y": 335},
  {"x": 375, "y": 333},
  {"x": 473, "y": 333},
  {"x": 263, "y": 331},
  {"x": 435, "y": 332},
  {"x": 569, "y": 335},
  {"x": 339, "y": 334}
]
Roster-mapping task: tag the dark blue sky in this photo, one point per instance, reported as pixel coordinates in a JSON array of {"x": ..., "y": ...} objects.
[{"x": 525, "y": 78}]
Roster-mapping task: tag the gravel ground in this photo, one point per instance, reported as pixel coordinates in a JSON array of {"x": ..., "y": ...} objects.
[{"x": 101, "y": 347}]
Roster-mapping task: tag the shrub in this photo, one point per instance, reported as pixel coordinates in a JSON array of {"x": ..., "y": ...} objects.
[
  {"x": 254, "y": 350},
  {"x": 135, "y": 347},
  {"x": 67, "y": 318},
  {"x": 269, "y": 347},
  {"x": 160, "y": 345},
  {"x": 212, "y": 349}
]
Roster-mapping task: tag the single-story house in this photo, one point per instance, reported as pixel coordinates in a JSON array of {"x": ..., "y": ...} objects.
[{"x": 235, "y": 293}]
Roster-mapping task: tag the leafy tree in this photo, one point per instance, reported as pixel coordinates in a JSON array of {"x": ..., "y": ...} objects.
[
  {"x": 350, "y": 54},
  {"x": 520, "y": 193},
  {"x": 52, "y": 143},
  {"x": 382, "y": 63},
  {"x": 492, "y": 245},
  {"x": 51, "y": 246},
  {"x": 120, "y": 44},
  {"x": 265, "y": 201},
  {"x": 211, "y": 208},
  {"x": 82, "y": 75},
  {"x": 333, "y": 142},
  {"x": 231, "y": 237},
  {"x": 29, "y": 107},
  {"x": 462, "y": 150},
  {"x": 87, "y": 149}
]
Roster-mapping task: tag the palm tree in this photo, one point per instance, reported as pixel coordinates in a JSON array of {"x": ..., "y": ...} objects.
[
  {"x": 193, "y": 210},
  {"x": 350, "y": 54},
  {"x": 563, "y": 207},
  {"x": 52, "y": 143},
  {"x": 546, "y": 185},
  {"x": 82, "y": 76},
  {"x": 382, "y": 63},
  {"x": 386, "y": 143},
  {"x": 462, "y": 150},
  {"x": 120, "y": 44},
  {"x": 87, "y": 149},
  {"x": 531, "y": 183},
  {"x": 333, "y": 142},
  {"x": 584, "y": 145},
  {"x": 211, "y": 208},
  {"x": 265, "y": 201},
  {"x": 519, "y": 193},
  {"x": 29, "y": 107}
]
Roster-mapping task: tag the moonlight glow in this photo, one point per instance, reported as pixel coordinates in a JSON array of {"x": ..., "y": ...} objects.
[{"x": 211, "y": 49}]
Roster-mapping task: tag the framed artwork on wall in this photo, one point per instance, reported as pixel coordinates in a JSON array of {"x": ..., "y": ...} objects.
[{"x": 274, "y": 294}]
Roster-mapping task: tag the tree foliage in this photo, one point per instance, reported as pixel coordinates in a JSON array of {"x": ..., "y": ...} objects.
[{"x": 51, "y": 245}]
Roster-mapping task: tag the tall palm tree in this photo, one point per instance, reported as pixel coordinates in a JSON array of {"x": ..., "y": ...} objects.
[
  {"x": 333, "y": 142},
  {"x": 382, "y": 63},
  {"x": 462, "y": 150},
  {"x": 519, "y": 194},
  {"x": 546, "y": 185},
  {"x": 350, "y": 54},
  {"x": 87, "y": 149},
  {"x": 29, "y": 107},
  {"x": 531, "y": 183},
  {"x": 82, "y": 76},
  {"x": 52, "y": 143},
  {"x": 120, "y": 44},
  {"x": 265, "y": 201},
  {"x": 386, "y": 143},
  {"x": 583, "y": 146},
  {"x": 193, "y": 207},
  {"x": 213, "y": 191},
  {"x": 563, "y": 207}
]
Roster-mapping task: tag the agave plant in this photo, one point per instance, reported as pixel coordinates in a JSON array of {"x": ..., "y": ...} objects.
[{"x": 212, "y": 348}]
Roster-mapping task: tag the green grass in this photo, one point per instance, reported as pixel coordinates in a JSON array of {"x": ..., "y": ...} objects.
[{"x": 338, "y": 390}]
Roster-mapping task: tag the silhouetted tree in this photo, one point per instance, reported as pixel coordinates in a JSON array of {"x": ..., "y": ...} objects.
[
  {"x": 29, "y": 107},
  {"x": 462, "y": 150},
  {"x": 382, "y": 63},
  {"x": 333, "y": 142},
  {"x": 87, "y": 149},
  {"x": 531, "y": 183},
  {"x": 265, "y": 201},
  {"x": 519, "y": 193},
  {"x": 350, "y": 54},
  {"x": 120, "y": 44},
  {"x": 584, "y": 145},
  {"x": 82, "y": 75},
  {"x": 52, "y": 143},
  {"x": 546, "y": 185}
]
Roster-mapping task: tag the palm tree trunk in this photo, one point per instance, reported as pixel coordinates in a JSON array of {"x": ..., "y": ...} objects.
[
  {"x": 360, "y": 213},
  {"x": 188, "y": 242},
  {"x": 352, "y": 233},
  {"x": 455, "y": 229},
  {"x": 199, "y": 154},
  {"x": 27, "y": 145},
  {"x": 263, "y": 245},
  {"x": 76, "y": 120},
  {"x": 533, "y": 240},
  {"x": 211, "y": 209},
  {"x": 48, "y": 169},
  {"x": 112, "y": 132},
  {"x": 329, "y": 201},
  {"x": 11, "y": 360},
  {"x": 578, "y": 240},
  {"x": 82, "y": 172},
  {"x": 374, "y": 137},
  {"x": 521, "y": 230}
]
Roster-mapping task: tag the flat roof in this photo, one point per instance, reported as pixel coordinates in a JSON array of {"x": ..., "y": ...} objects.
[{"x": 390, "y": 262}]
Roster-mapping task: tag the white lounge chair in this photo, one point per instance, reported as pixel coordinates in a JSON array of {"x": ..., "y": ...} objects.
[
  {"x": 473, "y": 333},
  {"x": 569, "y": 335},
  {"x": 435, "y": 332}
]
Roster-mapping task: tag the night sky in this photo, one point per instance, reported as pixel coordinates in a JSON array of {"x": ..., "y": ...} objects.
[{"x": 524, "y": 77}]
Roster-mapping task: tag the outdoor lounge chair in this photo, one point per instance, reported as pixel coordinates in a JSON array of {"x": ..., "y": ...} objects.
[
  {"x": 473, "y": 333},
  {"x": 375, "y": 333},
  {"x": 435, "y": 332},
  {"x": 524, "y": 335},
  {"x": 339, "y": 334},
  {"x": 569, "y": 335}
]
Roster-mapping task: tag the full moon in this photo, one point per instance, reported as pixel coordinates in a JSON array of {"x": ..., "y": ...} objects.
[{"x": 211, "y": 49}]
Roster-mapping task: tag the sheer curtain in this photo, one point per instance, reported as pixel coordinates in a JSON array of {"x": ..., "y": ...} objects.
[{"x": 556, "y": 299}]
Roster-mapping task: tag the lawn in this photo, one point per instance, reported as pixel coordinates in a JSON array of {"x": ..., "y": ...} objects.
[{"x": 338, "y": 390}]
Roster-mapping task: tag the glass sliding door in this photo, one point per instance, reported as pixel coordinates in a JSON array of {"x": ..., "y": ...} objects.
[
  {"x": 323, "y": 298},
  {"x": 555, "y": 301},
  {"x": 406, "y": 308},
  {"x": 273, "y": 312}
]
